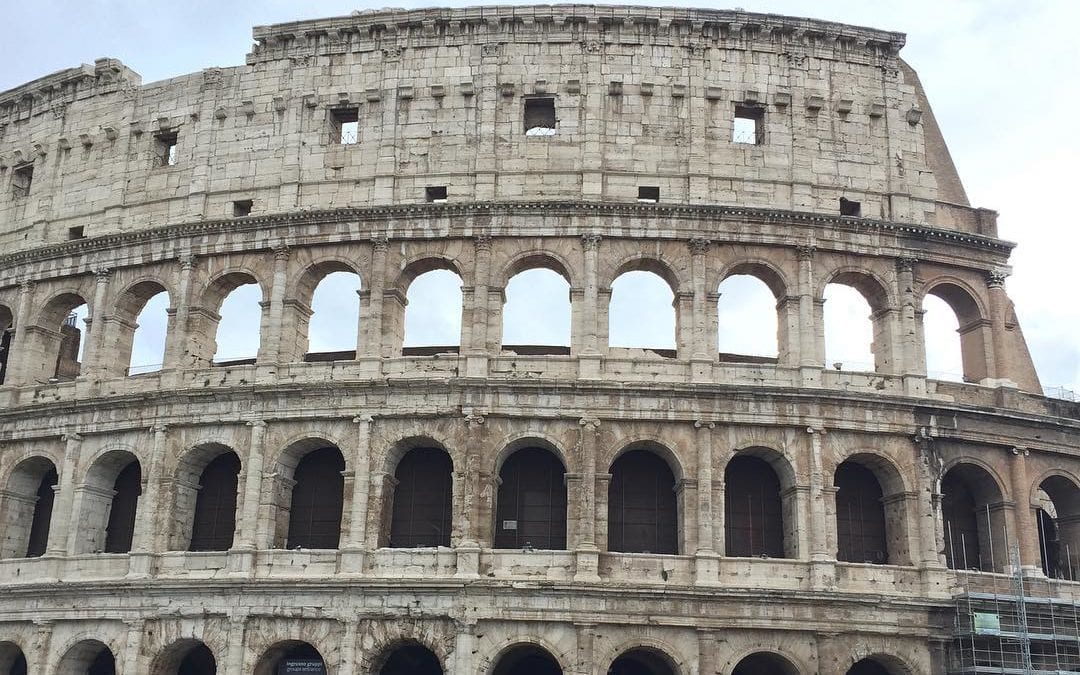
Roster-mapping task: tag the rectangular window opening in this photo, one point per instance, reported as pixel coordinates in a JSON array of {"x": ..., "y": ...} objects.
[
  {"x": 648, "y": 194},
  {"x": 76, "y": 232},
  {"x": 749, "y": 125},
  {"x": 540, "y": 116},
  {"x": 165, "y": 148},
  {"x": 345, "y": 126},
  {"x": 21, "y": 178},
  {"x": 850, "y": 208},
  {"x": 436, "y": 194},
  {"x": 242, "y": 207}
]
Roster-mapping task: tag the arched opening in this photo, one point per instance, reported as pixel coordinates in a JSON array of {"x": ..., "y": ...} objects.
[
  {"x": 641, "y": 313},
  {"x": 1058, "y": 522},
  {"x": 433, "y": 313},
  {"x": 974, "y": 520},
  {"x": 868, "y": 666},
  {"x": 27, "y": 506},
  {"x": 421, "y": 499},
  {"x": 120, "y": 530},
  {"x": 765, "y": 663},
  {"x": 849, "y": 329},
  {"x": 198, "y": 661},
  {"x": 291, "y": 656},
  {"x": 214, "y": 520},
  {"x": 60, "y": 340},
  {"x": 748, "y": 323},
  {"x": 89, "y": 657},
  {"x": 536, "y": 316},
  {"x": 526, "y": 658},
  {"x": 860, "y": 515},
  {"x": 12, "y": 659},
  {"x": 317, "y": 499},
  {"x": 411, "y": 658},
  {"x": 185, "y": 657},
  {"x": 531, "y": 506},
  {"x": 237, "y": 336},
  {"x": 970, "y": 325},
  {"x": 753, "y": 508},
  {"x": 944, "y": 359},
  {"x": 335, "y": 318},
  {"x": 138, "y": 330},
  {"x": 643, "y": 515},
  {"x": 642, "y": 661},
  {"x": 7, "y": 334}
]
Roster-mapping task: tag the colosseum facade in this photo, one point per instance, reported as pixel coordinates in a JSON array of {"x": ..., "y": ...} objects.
[{"x": 488, "y": 508}]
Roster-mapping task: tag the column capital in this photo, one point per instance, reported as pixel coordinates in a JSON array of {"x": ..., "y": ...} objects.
[
  {"x": 187, "y": 261},
  {"x": 159, "y": 428},
  {"x": 805, "y": 251},
  {"x": 71, "y": 437},
  {"x": 102, "y": 274},
  {"x": 996, "y": 278},
  {"x": 591, "y": 242},
  {"x": 26, "y": 286},
  {"x": 593, "y": 422},
  {"x": 257, "y": 424},
  {"x": 698, "y": 246},
  {"x": 482, "y": 242},
  {"x": 281, "y": 252},
  {"x": 363, "y": 419},
  {"x": 704, "y": 424},
  {"x": 906, "y": 263},
  {"x": 380, "y": 244},
  {"x": 473, "y": 418}
]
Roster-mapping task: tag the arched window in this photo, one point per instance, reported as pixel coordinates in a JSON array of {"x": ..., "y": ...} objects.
[
  {"x": 89, "y": 657},
  {"x": 642, "y": 506},
  {"x": 944, "y": 360},
  {"x": 433, "y": 313},
  {"x": 411, "y": 658},
  {"x": 147, "y": 346},
  {"x": 198, "y": 661},
  {"x": 335, "y": 318},
  {"x": 753, "y": 510},
  {"x": 748, "y": 323},
  {"x": 290, "y": 656},
  {"x": 860, "y": 515},
  {"x": 531, "y": 509},
  {"x": 121, "y": 528},
  {"x": 868, "y": 667},
  {"x": 526, "y": 658},
  {"x": 237, "y": 336},
  {"x": 215, "y": 506},
  {"x": 849, "y": 329},
  {"x": 27, "y": 505},
  {"x": 1058, "y": 522},
  {"x": 959, "y": 355},
  {"x": 642, "y": 662},
  {"x": 12, "y": 660},
  {"x": 642, "y": 313},
  {"x": 537, "y": 312},
  {"x": 315, "y": 513},
  {"x": 421, "y": 514},
  {"x": 762, "y": 663},
  {"x": 43, "y": 509},
  {"x": 7, "y": 333},
  {"x": 185, "y": 657},
  {"x": 973, "y": 519}
]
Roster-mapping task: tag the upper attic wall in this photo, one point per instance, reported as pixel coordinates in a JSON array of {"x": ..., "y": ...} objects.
[{"x": 642, "y": 97}]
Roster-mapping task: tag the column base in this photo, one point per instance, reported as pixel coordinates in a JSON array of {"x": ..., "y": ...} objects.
[
  {"x": 351, "y": 561},
  {"x": 822, "y": 574},
  {"x": 706, "y": 568},
  {"x": 476, "y": 365},
  {"x": 587, "y": 565},
  {"x": 589, "y": 366},
  {"x": 701, "y": 369},
  {"x": 140, "y": 565},
  {"x": 240, "y": 562},
  {"x": 914, "y": 385},
  {"x": 810, "y": 376},
  {"x": 468, "y": 562}
]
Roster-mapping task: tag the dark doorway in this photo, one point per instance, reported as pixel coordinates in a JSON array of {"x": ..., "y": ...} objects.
[
  {"x": 215, "y": 506},
  {"x": 412, "y": 659},
  {"x": 422, "y": 499},
  {"x": 753, "y": 510},
  {"x": 1049, "y": 546},
  {"x": 300, "y": 658},
  {"x": 642, "y": 509},
  {"x": 198, "y": 661},
  {"x": 18, "y": 666},
  {"x": 121, "y": 528},
  {"x": 527, "y": 660},
  {"x": 103, "y": 664},
  {"x": 958, "y": 510},
  {"x": 641, "y": 662},
  {"x": 43, "y": 508},
  {"x": 531, "y": 510},
  {"x": 764, "y": 663},
  {"x": 868, "y": 667},
  {"x": 315, "y": 516},
  {"x": 860, "y": 515}
]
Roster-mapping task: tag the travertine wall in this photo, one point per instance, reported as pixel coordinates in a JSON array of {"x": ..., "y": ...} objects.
[{"x": 643, "y": 97}]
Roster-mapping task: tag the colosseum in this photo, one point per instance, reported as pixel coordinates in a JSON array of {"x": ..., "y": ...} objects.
[{"x": 504, "y": 506}]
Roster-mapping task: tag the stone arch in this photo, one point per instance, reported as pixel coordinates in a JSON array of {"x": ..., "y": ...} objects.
[
  {"x": 1058, "y": 523},
  {"x": 760, "y": 508},
  {"x": 397, "y": 449},
  {"x": 878, "y": 664},
  {"x": 513, "y": 442},
  {"x": 531, "y": 503},
  {"x": 660, "y": 652},
  {"x": 53, "y": 342},
  {"x": 750, "y": 311},
  {"x": 641, "y": 262},
  {"x": 418, "y": 495},
  {"x": 973, "y": 516},
  {"x": 761, "y": 269},
  {"x": 205, "y": 318},
  {"x": 122, "y": 327},
  {"x": 868, "y": 283},
  {"x": 533, "y": 259},
  {"x": 893, "y": 505},
  {"x": 645, "y": 502},
  {"x": 876, "y": 292},
  {"x": 278, "y": 652},
  {"x": 12, "y": 658},
  {"x": 310, "y": 493},
  {"x": 973, "y": 323},
  {"x": 538, "y": 307},
  {"x": 301, "y": 315},
  {"x": 186, "y": 656},
  {"x": 85, "y": 654},
  {"x": 107, "y": 501},
  {"x": 424, "y": 263},
  {"x": 665, "y": 340},
  {"x": 772, "y": 661},
  {"x": 304, "y": 284},
  {"x": 385, "y": 636},
  {"x": 405, "y": 284},
  {"x": 190, "y": 493},
  {"x": 27, "y": 505},
  {"x": 406, "y": 656},
  {"x": 523, "y": 654}
]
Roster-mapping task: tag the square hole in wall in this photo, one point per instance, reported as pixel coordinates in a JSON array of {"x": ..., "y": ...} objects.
[
  {"x": 242, "y": 207},
  {"x": 165, "y": 148},
  {"x": 21, "y": 178},
  {"x": 76, "y": 232},
  {"x": 648, "y": 194},
  {"x": 345, "y": 125},
  {"x": 435, "y": 194},
  {"x": 850, "y": 208},
  {"x": 540, "y": 116},
  {"x": 749, "y": 125}
]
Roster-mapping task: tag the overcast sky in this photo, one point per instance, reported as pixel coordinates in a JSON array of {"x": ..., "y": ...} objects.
[{"x": 1003, "y": 77}]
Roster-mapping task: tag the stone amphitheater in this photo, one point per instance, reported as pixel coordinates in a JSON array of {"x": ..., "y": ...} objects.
[{"x": 488, "y": 508}]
